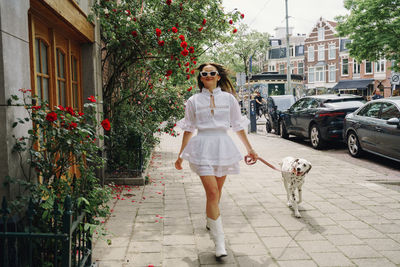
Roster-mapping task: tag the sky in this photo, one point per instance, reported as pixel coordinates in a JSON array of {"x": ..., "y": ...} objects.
[{"x": 266, "y": 15}]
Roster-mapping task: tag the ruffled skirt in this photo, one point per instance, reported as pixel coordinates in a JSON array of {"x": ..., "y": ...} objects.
[{"x": 212, "y": 152}]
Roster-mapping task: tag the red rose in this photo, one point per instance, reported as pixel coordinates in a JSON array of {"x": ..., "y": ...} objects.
[
  {"x": 158, "y": 32},
  {"x": 187, "y": 70},
  {"x": 234, "y": 30},
  {"x": 161, "y": 43},
  {"x": 192, "y": 71},
  {"x": 194, "y": 62},
  {"x": 200, "y": 29},
  {"x": 184, "y": 44},
  {"x": 60, "y": 107},
  {"x": 72, "y": 125},
  {"x": 151, "y": 109},
  {"x": 174, "y": 29},
  {"x": 134, "y": 19},
  {"x": 70, "y": 111},
  {"x": 185, "y": 52},
  {"x": 81, "y": 113},
  {"x": 179, "y": 64},
  {"x": 169, "y": 2},
  {"x": 169, "y": 72},
  {"x": 187, "y": 77},
  {"x": 134, "y": 33},
  {"x": 191, "y": 50},
  {"x": 182, "y": 37},
  {"x": 204, "y": 21},
  {"x": 106, "y": 124},
  {"x": 36, "y": 107},
  {"x": 91, "y": 99},
  {"x": 177, "y": 25},
  {"x": 242, "y": 16},
  {"x": 128, "y": 12},
  {"x": 51, "y": 116},
  {"x": 190, "y": 89},
  {"x": 230, "y": 21},
  {"x": 187, "y": 64}
]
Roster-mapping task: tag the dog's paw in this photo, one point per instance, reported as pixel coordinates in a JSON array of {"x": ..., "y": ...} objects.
[
  {"x": 289, "y": 204},
  {"x": 297, "y": 214}
]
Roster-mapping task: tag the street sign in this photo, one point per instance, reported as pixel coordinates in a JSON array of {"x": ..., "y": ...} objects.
[
  {"x": 395, "y": 79},
  {"x": 240, "y": 79}
]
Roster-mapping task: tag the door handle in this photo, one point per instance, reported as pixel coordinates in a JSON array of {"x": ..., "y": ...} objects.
[{"x": 378, "y": 129}]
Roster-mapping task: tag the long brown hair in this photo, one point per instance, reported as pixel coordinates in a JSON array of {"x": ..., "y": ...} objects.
[{"x": 225, "y": 83}]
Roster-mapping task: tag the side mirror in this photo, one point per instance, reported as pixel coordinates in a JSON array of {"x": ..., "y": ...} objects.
[{"x": 393, "y": 121}]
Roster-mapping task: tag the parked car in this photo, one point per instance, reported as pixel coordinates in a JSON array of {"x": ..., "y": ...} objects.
[
  {"x": 318, "y": 117},
  {"x": 275, "y": 105},
  {"x": 375, "y": 128}
]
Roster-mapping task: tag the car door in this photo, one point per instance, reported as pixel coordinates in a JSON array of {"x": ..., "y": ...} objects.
[
  {"x": 306, "y": 114},
  {"x": 367, "y": 120},
  {"x": 388, "y": 136},
  {"x": 294, "y": 111}
]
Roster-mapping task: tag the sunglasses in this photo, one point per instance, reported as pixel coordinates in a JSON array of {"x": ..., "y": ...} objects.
[{"x": 211, "y": 73}]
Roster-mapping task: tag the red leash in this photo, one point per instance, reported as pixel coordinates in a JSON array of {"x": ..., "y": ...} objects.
[{"x": 250, "y": 161}]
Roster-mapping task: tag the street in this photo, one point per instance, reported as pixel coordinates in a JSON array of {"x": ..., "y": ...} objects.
[{"x": 348, "y": 219}]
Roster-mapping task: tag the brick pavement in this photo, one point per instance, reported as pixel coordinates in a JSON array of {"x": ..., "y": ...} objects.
[{"x": 347, "y": 221}]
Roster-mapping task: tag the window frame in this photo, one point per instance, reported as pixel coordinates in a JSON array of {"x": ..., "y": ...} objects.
[
  {"x": 310, "y": 54},
  {"x": 380, "y": 66},
  {"x": 342, "y": 69},
  {"x": 300, "y": 68},
  {"x": 321, "y": 33},
  {"x": 331, "y": 47},
  {"x": 321, "y": 52},
  {"x": 365, "y": 65},
  {"x": 355, "y": 63},
  {"x": 311, "y": 71},
  {"x": 319, "y": 74},
  {"x": 330, "y": 72}
]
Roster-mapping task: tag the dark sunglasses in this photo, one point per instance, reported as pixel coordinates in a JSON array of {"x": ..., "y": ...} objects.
[{"x": 211, "y": 73}]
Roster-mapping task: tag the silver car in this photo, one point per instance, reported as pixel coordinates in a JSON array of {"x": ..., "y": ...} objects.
[{"x": 375, "y": 128}]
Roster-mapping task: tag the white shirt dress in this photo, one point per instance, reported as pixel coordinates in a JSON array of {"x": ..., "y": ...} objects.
[{"x": 212, "y": 152}]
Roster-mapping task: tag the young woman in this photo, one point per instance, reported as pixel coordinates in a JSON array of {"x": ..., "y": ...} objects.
[{"x": 211, "y": 153}]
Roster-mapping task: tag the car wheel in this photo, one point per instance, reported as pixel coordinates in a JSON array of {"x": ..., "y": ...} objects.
[
  {"x": 353, "y": 145},
  {"x": 282, "y": 130},
  {"x": 315, "y": 137},
  {"x": 268, "y": 127}
]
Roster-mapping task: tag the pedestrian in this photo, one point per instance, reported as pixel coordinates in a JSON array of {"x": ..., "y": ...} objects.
[
  {"x": 259, "y": 102},
  {"x": 211, "y": 153},
  {"x": 376, "y": 94}
]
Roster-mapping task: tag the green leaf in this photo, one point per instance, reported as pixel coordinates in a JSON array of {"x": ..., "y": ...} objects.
[{"x": 14, "y": 124}]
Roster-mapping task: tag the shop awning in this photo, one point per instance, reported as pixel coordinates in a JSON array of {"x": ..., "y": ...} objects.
[{"x": 353, "y": 84}]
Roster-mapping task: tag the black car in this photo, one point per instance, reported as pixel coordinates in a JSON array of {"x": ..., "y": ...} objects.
[
  {"x": 319, "y": 117},
  {"x": 375, "y": 128},
  {"x": 275, "y": 105}
]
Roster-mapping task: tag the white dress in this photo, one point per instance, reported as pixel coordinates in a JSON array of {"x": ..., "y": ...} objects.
[{"x": 212, "y": 151}]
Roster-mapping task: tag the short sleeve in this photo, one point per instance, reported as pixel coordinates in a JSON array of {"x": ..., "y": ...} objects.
[
  {"x": 188, "y": 123},
  {"x": 238, "y": 121}
]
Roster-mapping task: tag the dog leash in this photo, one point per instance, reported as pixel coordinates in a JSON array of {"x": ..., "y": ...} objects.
[{"x": 250, "y": 161}]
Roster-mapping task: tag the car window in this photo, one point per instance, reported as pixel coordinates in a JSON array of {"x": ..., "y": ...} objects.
[
  {"x": 371, "y": 110},
  {"x": 299, "y": 104},
  {"x": 283, "y": 103},
  {"x": 389, "y": 111}
]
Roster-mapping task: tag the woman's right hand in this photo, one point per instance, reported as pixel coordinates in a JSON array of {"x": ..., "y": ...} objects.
[{"x": 178, "y": 164}]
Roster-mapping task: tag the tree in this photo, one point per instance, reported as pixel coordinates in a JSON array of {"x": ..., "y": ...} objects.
[
  {"x": 149, "y": 56},
  {"x": 374, "y": 29},
  {"x": 235, "y": 52}
]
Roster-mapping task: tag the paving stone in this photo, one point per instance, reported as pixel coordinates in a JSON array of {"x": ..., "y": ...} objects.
[
  {"x": 170, "y": 240},
  {"x": 143, "y": 259},
  {"x": 256, "y": 261},
  {"x": 271, "y": 231},
  {"x": 359, "y": 251},
  {"x": 374, "y": 262},
  {"x": 342, "y": 240},
  {"x": 331, "y": 259},
  {"x": 144, "y": 246},
  {"x": 317, "y": 246},
  {"x": 297, "y": 263},
  {"x": 181, "y": 251},
  {"x": 248, "y": 249},
  {"x": 181, "y": 262},
  {"x": 289, "y": 253},
  {"x": 383, "y": 244}
]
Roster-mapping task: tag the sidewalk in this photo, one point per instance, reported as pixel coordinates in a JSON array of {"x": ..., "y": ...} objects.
[{"x": 347, "y": 221}]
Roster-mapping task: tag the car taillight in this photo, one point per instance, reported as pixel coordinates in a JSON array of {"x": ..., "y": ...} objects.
[{"x": 330, "y": 114}]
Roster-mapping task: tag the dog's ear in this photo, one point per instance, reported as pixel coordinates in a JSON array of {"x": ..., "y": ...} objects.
[{"x": 309, "y": 168}]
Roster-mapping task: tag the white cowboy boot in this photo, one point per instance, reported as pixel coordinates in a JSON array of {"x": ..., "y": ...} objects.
[{"x": 217, "y": 235}]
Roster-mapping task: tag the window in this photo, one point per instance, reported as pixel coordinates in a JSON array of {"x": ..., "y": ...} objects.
[
  {"x": 371, "y": 110},
  {"x": 292, "y": 68},
  {"x": 332, "y": 73},
  {"x": 389, "y": 111},
  {"x": 299, "y": 104},
  {"x": 291, "y": 51},
  {"x": 311, "y": 53},
  {"x": 380, "y": 66},
  {"x": 321, "y": 34},
  {"x": 356, "y": 67},
  {"x": 368, "y": 67},
  {"x": 320, "y": 74},
  {"x": 332, "y": 51},
  {"x": 56, "y": 70},
  {"x": 300, "y": 68},
  {"x": 345, "y": 66},
  {"x": 311, "y": 75},
  {"x": 321, "y": 52},
  {"x": 281, "y": 69},
  {"x": 42, "y": 69}
]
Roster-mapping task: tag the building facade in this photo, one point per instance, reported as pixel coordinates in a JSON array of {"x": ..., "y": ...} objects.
[{"x": 50, "y": 47}]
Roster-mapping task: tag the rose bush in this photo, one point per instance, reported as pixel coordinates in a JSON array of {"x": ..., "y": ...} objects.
[
  {"x": 149, "y": 56},
  {"x": 61, "y": 152}
]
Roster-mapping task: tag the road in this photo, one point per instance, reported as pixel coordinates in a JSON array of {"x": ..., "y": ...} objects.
[{"x": 389, "y": 169}]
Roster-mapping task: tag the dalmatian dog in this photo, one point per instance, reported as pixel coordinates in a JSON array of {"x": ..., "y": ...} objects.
[{"x": 293, "y": 173}]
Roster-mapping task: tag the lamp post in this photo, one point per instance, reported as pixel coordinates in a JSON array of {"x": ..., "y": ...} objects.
[{"x": 288, "y": 76}]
